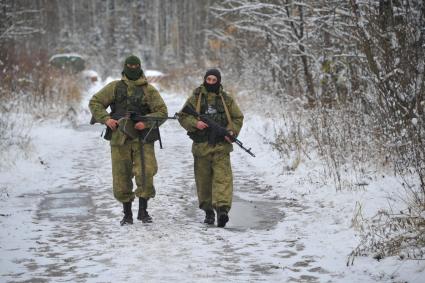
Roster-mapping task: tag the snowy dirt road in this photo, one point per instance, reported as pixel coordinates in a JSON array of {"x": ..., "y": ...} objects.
[{"x": 73, "y": 232}]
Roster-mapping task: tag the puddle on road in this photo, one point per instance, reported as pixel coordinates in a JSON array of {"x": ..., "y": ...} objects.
[
  {"x": 260, "y": 215},
  {"x": 66, "y": 205},
  {"x": 253, "y": 215}
]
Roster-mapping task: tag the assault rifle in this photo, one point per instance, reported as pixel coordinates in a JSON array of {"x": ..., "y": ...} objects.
[
  {"x": 145, "y": 135},
  {"x": 126, "y": 122},
  {"x": 216, "y": 130}
]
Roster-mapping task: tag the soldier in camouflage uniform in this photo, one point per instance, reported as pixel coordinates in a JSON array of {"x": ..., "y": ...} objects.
[
  {"x": 131, "y": 93},
  {"x": 213, "y": 172}
]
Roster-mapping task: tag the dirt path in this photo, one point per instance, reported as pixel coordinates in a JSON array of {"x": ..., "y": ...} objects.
[{"x": 77, "y": 237}]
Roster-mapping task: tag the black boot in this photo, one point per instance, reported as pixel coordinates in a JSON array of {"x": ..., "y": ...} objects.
[
  {"x": 209, "y": 217},
  {"x": 128, "y": 215},
  {"x": 222, "y": 217},
  {"x": 143, "y": 213}
]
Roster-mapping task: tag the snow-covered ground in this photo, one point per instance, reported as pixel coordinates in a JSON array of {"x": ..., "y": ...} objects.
[{"x": 59, "y": 221}]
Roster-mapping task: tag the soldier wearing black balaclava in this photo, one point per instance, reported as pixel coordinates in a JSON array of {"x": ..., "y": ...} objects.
[
  {"x": 131, "y": 93},
  {"x": 213, "y": 171},
  {"x": 214, "y": 88}
]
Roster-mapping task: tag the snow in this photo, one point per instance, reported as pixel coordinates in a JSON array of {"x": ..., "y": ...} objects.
[
  {"x": 59, "y": 220},
  {"x": 414, "y": 121},
  {"x": 90, "y": 74},
  {"x": 153, "y": 73}
]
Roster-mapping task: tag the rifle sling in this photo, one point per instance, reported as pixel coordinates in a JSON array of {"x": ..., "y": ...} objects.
[
  {"x": 198, "y": 103},
  {"x": 229, "y": 119}
]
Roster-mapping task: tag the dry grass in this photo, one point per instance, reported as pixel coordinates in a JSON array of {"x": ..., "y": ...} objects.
[
  {"x": 352, "y": 148},
  {"x": 391, "y": 234},
  {"x": 31, "y": 90}
]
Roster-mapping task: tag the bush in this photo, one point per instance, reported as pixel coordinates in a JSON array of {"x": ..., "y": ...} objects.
[{"x": 31, "y": 90}]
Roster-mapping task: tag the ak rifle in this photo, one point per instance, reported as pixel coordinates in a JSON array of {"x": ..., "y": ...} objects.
[
  {"x": 215, "y": 129},
  {"x": 128, "y": 128}
]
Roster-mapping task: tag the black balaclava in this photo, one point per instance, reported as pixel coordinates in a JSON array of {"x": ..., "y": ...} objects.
[
  {"x": 215, "y": 87},
  {"x": 132, "y": 73}
]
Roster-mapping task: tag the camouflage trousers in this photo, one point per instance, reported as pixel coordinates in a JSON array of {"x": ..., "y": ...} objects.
[
  {"x": 214, "y": 180},
  {"x": 126, "y": 164}
]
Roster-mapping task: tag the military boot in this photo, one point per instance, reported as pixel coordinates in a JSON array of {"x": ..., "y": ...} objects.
[
  {"x": 209, "y": 217},
  {"x": 222, "y": 217},
  {"x": 128, "y": 215},
  {"x": 143, "y": 213}
]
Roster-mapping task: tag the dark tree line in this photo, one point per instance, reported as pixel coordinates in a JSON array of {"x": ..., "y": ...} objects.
[{"x": 165, "y": 33}]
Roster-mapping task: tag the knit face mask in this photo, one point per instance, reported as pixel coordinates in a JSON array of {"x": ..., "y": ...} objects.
[{"x": 132, "y": 73}]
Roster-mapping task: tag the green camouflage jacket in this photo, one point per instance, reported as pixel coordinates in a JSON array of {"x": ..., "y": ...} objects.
[
  {"x": 106, "y": 96},
  {"x": 189, "y": 122}
]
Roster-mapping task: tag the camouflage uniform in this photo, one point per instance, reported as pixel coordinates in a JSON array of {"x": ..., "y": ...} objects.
[
  {"x": 125, "y": 152},
  {"x": 213, "y": 172}
]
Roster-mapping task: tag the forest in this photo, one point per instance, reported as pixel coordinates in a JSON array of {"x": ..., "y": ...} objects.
[{"x": 346, "y": 78}]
